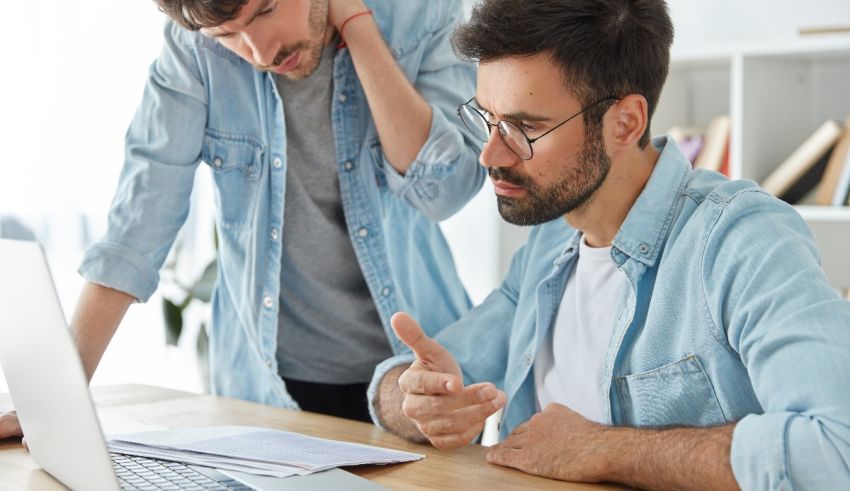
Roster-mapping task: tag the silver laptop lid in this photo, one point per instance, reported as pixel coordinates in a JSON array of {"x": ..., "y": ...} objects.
[{"x": 44, "y": 373}]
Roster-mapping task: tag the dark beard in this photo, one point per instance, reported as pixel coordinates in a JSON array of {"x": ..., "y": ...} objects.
[{"x": 573, "y": 191}]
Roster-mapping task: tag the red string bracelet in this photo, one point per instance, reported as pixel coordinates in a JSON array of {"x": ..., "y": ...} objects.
[{"x": 342, "y": 27}]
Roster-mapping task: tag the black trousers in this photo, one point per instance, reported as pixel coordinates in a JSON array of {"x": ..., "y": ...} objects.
[{"x": 345, "y": 401}]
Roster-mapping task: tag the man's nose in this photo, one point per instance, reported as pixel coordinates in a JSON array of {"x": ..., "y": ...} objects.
[
  {"x": 263, "y": 50},
  {"x": 496, "y": 152}
]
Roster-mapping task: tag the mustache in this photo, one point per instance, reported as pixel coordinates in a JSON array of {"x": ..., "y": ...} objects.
[
  {"x": 283, "y": 54},
  {"x": 510, "y": 177}
]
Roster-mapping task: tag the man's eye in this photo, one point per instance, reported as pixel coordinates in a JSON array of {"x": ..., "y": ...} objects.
[
  {"x": 268, "y": 10},
  {"x": 528, "y": 128}
]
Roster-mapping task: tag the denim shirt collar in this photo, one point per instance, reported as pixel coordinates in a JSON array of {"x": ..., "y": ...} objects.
[{"x": 648, "y": 223}]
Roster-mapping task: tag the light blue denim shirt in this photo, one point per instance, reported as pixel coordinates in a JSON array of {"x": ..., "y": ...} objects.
[
  {"x": 729, "y": 317},
  {"x": 204, "y": 104}
]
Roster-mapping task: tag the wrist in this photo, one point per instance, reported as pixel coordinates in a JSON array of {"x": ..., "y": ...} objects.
[
  {"x": 613, "y": 461},
  {"x": 340, "y": 10},
  {"x": 351, "y": 23}
]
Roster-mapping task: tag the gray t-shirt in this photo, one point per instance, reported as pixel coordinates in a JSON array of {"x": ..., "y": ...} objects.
[{"x": 329, "y": 329}]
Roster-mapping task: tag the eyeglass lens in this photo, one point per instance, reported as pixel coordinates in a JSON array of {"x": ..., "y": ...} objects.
[{"x": 513, "y": 137}]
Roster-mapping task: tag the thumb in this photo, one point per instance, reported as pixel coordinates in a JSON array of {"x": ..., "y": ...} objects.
[{"x": 410, "y": 333}]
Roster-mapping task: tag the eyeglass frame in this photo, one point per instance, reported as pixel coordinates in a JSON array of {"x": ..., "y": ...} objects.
[{"x": 530, "y": 141}]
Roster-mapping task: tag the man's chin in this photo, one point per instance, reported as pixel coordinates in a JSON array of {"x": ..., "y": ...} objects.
[
  {"x": 517, "y": 213},
  {"x": 305, "y": 68},
  {"x": 514, "y": 213}
]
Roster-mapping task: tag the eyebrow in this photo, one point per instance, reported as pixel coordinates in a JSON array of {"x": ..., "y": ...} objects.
[
  {"x": 263, "y": 6},
  {"x": 518, "y": 115}
]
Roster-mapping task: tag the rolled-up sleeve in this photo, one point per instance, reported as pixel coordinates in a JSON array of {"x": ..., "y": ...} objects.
[
  {"x": 162, "y": 150},
  {"x": 445, "y": 174},
  {"x": 792, "y": 332}
]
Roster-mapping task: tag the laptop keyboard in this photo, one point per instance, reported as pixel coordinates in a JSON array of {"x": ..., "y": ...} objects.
[{"x": 141, "y": 473}]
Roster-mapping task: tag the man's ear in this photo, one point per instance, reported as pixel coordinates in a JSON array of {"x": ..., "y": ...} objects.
[{"x": 628, "y": 119}]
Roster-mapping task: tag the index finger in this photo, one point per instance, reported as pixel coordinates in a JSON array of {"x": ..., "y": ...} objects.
[{"x": 414, "y": 381}]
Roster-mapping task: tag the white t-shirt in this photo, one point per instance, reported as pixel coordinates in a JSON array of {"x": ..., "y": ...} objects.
[{"x": 571, "y": 363}]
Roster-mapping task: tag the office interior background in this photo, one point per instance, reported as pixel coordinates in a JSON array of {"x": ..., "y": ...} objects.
[{"x": 74, "y": 72}]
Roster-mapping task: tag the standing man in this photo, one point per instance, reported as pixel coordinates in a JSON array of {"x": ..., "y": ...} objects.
[
  {"x": 662, "y": 327},
  {"x": 329, "y": 127}
]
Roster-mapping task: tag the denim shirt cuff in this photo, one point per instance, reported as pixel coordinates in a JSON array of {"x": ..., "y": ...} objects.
[
  {"x": 435, "y": 160},
  {"x": 381, "y": 370},
  {"x": 759, "y": 448},
  {"x": 118, "y": 267}
]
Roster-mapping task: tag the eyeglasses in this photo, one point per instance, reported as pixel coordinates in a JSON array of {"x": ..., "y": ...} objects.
[{"x": 513, "y": 136}]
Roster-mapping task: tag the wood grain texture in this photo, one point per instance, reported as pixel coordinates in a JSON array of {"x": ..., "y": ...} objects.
[{"x": 463, "y": 468}]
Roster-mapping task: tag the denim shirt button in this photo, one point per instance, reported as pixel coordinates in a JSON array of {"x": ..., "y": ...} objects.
[
  {"x": 349, "y": 165},
  {"x": 277, "y": 163},
  {"x": 269, "y": 363},
  {"x": 267, "y": 301},
  {"x": 385, "y": 291},
  {"x": 217, "y": 162},
  {"x": 342, "y": 98},
  {"x": 363, "y": 232},
  {"x": 274, "y": 234},
  {"x": 643, "y": 248}
]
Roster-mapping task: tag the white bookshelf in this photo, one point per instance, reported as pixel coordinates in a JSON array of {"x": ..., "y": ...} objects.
[
  {"x": 777, "y": 95},
  {"x": 831, "y": 228}
]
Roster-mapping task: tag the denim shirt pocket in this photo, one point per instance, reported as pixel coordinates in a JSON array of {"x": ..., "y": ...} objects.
[
  {"x": 236, "y": 161},
  {"x": 677, "y": 394}
]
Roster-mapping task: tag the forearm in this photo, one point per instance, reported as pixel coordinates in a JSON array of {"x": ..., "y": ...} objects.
[
  {"x": 96, "y": 318},
  {"x": 402, "y": 117},
  {"x": 388, "y": 407},
  {"x": 676, "y": 459}
]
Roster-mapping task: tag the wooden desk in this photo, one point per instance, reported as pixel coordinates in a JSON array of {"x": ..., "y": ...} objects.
[{"x": 464, "y": 468}]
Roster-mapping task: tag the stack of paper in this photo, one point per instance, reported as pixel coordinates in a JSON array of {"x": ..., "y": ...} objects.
[{"x": 254, "y": 450}]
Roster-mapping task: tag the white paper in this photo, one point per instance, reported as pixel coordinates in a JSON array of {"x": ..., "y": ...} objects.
[{"x": 255, "y": 450}]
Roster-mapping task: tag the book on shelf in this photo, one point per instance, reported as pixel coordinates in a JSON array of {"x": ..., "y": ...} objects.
[
  {"x": 691, "y": 147},
  {"x": 841, "y": 193},
  {"x": 715, "y": 145},
  {"x": 836, "y": 178},
  {"x": 724, "y": 165},
  {"x": 689, "y": 141},
  {"x": 683, "y": 133},
  {"x": 824, "y": 29},
  {"x": 803, "y": 169}
]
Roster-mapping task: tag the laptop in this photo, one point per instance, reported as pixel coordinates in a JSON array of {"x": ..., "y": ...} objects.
[{"x": 50, "y": 393}]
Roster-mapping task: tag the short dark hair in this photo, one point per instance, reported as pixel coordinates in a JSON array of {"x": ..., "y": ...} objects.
[
  {"x": 605, "y": 47},
  {"x": 197, "y": 14}
]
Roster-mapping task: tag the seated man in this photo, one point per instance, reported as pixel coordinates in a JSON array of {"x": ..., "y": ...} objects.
[{"x": 674, "y": 331}]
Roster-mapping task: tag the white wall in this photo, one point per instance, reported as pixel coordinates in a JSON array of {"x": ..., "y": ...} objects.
[
  {"x": 73, "y": 73},
  {"x": 703, "y": 25}
]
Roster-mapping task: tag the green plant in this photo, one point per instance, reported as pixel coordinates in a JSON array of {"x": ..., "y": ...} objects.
[
  {"x": 200, "y": 290},
  {"x": 181, "y": 296}
]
